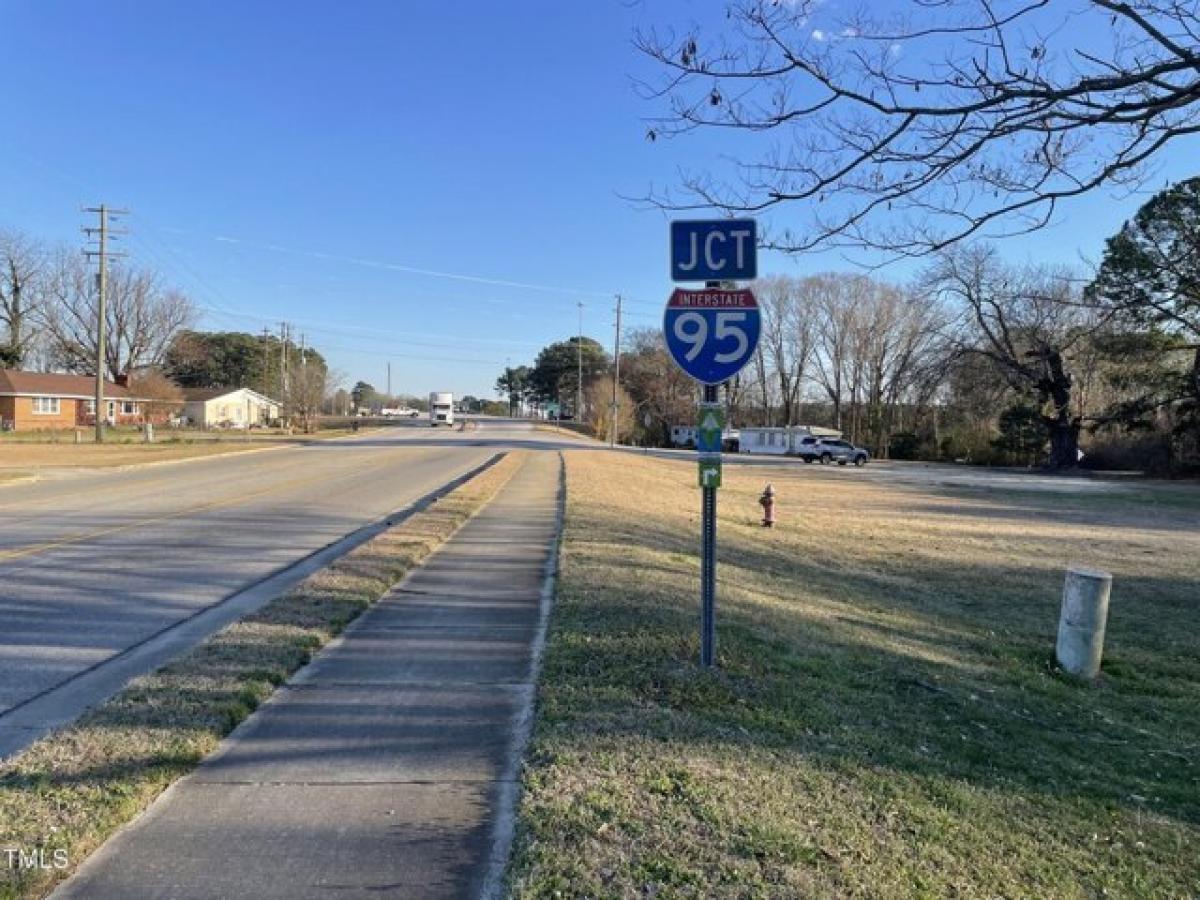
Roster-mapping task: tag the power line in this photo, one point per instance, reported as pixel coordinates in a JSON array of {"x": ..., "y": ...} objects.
[
  {"x": 400, "y": 267},
  {"x": 373, "y": 334},
  {"x": 472, "y": 278}
]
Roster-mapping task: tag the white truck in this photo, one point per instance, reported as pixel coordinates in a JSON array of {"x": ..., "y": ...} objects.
[{"x": 441, "y": 409}]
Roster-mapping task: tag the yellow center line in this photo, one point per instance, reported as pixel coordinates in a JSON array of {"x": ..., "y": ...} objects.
[{"x": 33, "y": 549}]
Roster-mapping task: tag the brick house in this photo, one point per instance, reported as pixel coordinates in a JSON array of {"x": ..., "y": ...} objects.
[{"x": 38, "y": 401}]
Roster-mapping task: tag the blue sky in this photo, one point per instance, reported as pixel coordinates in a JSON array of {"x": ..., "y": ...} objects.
[{"x": 319, "y": 163}]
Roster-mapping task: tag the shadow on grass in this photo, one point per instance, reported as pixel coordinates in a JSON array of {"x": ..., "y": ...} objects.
[{"x": 947, "y": 672}]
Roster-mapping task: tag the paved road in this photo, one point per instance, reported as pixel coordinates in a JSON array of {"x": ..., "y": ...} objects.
[
  {"x": 96, "y": 563},
  {"x": 388, "y": 767}
]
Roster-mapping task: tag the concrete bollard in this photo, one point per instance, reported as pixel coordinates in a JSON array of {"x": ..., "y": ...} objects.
[
  {"x": 1082, "y": 621},
  {"x": 148, "y": 433}
]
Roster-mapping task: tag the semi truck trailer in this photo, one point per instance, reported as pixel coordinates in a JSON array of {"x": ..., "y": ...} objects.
[{"x": 441, "y": 409}]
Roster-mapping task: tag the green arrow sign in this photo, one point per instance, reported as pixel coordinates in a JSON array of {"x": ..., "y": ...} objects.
[
  {"x": 710, "y": 473},
  {"x": 710, "y": 427}
]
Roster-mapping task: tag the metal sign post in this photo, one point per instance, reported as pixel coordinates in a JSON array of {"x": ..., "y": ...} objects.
[
  {"x": 711, "y": 334},
  {"x": 708, "y": 551}
]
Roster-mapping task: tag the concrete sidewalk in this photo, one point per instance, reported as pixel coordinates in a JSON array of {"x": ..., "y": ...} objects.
[{"x": 387, "y": 767}]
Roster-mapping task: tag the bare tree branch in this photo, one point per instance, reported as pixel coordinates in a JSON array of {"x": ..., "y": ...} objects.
[{"x": 910, "y": 132}]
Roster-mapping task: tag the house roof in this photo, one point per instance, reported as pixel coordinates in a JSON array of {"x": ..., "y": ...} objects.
[
  {"x": 204, "y": 394},
  {"x": 15, "y": 383},
  {"x": 814, "y": 430}
]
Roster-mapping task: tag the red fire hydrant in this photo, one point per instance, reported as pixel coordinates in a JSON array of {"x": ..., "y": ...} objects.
[{"x": 767, "y": 500}]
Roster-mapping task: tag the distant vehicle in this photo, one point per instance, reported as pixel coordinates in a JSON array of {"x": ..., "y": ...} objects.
[
  {"x": 441, "y": 409},
  {"x": 400, "y": 412},
  {"x": 827, "y": 450},
  {"x": 807, "y": 448}
]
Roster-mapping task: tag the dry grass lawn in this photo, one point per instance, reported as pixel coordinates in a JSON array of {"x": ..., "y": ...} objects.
[
  {"x": 31, "y": 453},
  {"x": 887, "y": 720},
  {"x": 31, "y": 457},
  {"x": 72, "y": 789}
]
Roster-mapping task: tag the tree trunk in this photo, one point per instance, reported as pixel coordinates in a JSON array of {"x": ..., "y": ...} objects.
[
  {"x": 1196, "y": 380},
  {"x": 1062, "y": 427},
  {"x": 1064, "y": 443}
]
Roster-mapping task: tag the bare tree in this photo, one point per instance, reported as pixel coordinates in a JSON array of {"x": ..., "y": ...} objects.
[
  {"x": 917, "y": 124},
  {"x": 833, "y": 299},
  {"x": 902, "y": 342},
  {"x": 23, "y": 273},
  {"x": 659, "y": 390},
  {"x": 1029, "y": 323},
  {"x": 600, "y": 410},
  {"x": 308, "y": 386},
  {"x": 142, "y": 317},
  {"x": 160, "y": 397},
  {"x": 786, "y": 342}
]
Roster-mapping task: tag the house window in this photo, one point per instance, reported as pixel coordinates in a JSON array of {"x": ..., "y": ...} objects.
[
  {"x": 46, "y": 406},
  {"x": 128, "y": 408}
]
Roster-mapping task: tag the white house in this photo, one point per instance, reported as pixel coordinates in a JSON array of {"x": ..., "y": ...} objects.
[
  {"x": 780, "y": 441},
  {"x": 228, "y": 408}
]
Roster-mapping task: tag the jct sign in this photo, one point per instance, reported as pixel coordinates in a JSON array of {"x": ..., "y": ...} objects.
[
  {"x": 714, "y": 250},
  {"x": 712, "y": 333}
]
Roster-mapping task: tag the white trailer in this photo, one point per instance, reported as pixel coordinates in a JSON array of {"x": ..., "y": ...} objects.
[{"x": 441, "y": 409}]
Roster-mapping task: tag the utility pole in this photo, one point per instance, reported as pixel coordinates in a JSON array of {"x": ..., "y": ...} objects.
[
  {"x": 579, "y": 361},
  {"x": 283, "y": 360},
  {"x": 303, "y": 392},
  {"x": 103, "y": 232},
  {"x": 612, "y": 433},
  {"x": 266, "y": 372},
  {"x": 389, "y": 382}
]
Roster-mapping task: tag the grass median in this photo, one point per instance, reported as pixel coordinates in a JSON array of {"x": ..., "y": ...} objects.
[
  {"x": 72, "y": 789},
  {"x": 39, "y": 451},
  {"x": 887, "y": 719}
]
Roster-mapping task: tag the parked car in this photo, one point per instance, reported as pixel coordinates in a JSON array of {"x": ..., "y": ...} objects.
[
  {"x": 807, "y": 449},
  {"x": 836, "y": 450}
]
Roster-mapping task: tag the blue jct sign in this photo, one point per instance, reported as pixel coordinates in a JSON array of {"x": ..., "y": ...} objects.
[
  {"x": 713, "y": 333},
  {"x": 716, "y": 250}
]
